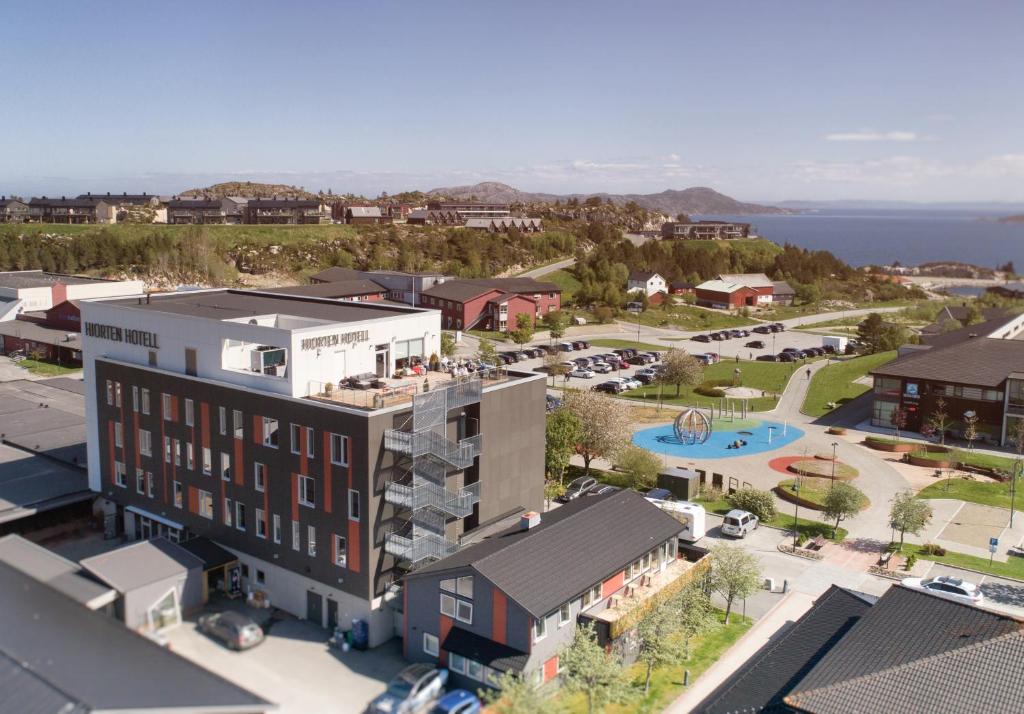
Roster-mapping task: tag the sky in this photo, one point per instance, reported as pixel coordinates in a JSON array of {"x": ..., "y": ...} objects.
[{"x": 771, "y": 101}]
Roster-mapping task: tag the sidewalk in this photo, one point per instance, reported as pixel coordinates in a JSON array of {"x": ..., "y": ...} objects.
[{"x": 770, "y": 627}]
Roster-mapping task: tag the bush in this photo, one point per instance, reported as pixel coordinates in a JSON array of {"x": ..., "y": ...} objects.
[
  {"x": 933, "y": 549},
  {"x": 706, "y": 391},
  {"x": 640, "y": 465},
  {"x": 911, "y": 561},
  {"x": 710, "y": 493},
  {"x": 760, "y": 503}
]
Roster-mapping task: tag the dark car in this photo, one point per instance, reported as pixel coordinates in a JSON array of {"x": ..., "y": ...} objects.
[
  {"x": 776, "y": 328},
  {"x": 578, "y": 487},
  {"x": 237, "y": 631},
  {"x": 458, "y": 701},
  {"x": 766, "y": 358},
  {"x": 701, "y": 338},
  {"x": 756, "y": 344},
  {"x": 660, "y": 494},
  {"x": 610, "y": 387},
  {"x": 644, "y": 378},
  {"x": 791, "y": 350},
  {"x": 786, "y": 357},
  {"x": 829, "y": 349},
  {"x": 718, "y": 336},
  {"x": 762, "y": 329},
  {"x": 586, "y": 345},
  {"x": 579, "y": 345},
  {"x": 807, "y": 354},
  {"x": 654, "y": 355},
  {"x": 782, "y": 328}
]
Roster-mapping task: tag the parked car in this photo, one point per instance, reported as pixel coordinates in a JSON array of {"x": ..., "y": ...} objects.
[
  {"x": 603, "y": 490},
  {"x": 586, "y": 345},
  {"x": 779, "y": 326},
  {"x": 738, "y": 523},
  {"x": 655, "y": 355},
  {"x": 767, "y": 358},
  {"x": 948, "y": 587},
  {"x": 601, "y": 367},
  {"x": 755, "y": 344},
  {"x": 718, "y": 336},
  {"x": 237, "y": 631},
  {"x": 578, "y": 487},
  {"x": 829, "y": 349},
  {"x": 622, "y": 364},
  {"x": 582, "y": 361},
  {"x": 644, "y": 378},
  {"x": 610, "y": 387},
  {"x": 714, "y": 357},
  {"x": 411, "y": 690},
  {"x": 579, "y": 345},
  {"x": 701, "y": 338},
  {"x": 582, "y": 373},
  {"x": 791, "y": 350},
  {"x": 786, "y": 357},
  {"x": 524, "y": 355},
  {"x": 565, "y": 347},
  {"x": 660, "y": 494},
  {"x": 458, "y": 701},
  {"x": 763, "y": 329}
]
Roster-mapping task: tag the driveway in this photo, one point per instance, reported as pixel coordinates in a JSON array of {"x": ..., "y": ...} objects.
[
  {"x": 294, "y": 667},
  {"x": 10, "y": 371}
]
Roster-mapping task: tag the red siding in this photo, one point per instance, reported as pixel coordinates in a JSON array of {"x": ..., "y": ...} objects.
[
  {"x": 612, "y": 584},
  {"x": 59, "y": 293},
  {"x": 499, "y": 617},
  {"x": 295, "y": 497},
  {"x": 443, "y": 630},
  {"x": 551, "y": 669},
  {"x": 354, "y": 563},
  {"x": 239, "y": 464}
]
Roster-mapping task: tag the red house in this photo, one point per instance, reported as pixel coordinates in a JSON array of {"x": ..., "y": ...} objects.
[
  {"x": 735, "y": 290},
  {"x": 491, "y": 304}
]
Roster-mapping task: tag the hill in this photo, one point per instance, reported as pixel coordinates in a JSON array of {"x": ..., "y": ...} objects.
[
  {"x": 697, "y": 200},
  {"x": 249, "y": 189},
  {"x": 1012, "y": 219}
]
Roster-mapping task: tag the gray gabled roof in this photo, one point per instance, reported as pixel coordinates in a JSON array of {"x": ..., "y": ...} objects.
[
  {"x": 582, "y": 543},
  {"x": 55, "y": 570},
  {"x": 148, "y": 561},
  {"x": 364, "y": 211},
  {"x": 92, "y": 662},
  {"x": 978, "y": 361}
]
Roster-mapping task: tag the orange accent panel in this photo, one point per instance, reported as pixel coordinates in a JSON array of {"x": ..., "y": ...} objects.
[
  {"x": 551, "y": 669},
  {"x": 295, "y": 497},
  {"x": 257, "y": 429},
  {"x": 193, "y": 499},
  {"x": 499, "y": 617},
  {"x": 239, "y": 464},
  {"x": 325, "y": 453},
  {"x": 204, "y": 415},
  {"x": 612, "y": 584},
  {"x": 174, "y": 409},
  {"x": 354, "y": 563},
  {"x": 444, "y": 629}
]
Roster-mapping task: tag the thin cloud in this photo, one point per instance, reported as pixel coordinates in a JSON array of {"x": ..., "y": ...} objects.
[{"x": 869, "y": 135}]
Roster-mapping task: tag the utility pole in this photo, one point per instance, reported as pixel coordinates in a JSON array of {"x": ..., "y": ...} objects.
[
  {"x": 833, "y": 484},
  {"x": 796, "y": 513}
]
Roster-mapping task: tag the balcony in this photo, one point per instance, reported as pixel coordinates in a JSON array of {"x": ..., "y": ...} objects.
[
  {"x": 417, "y": 547},
  {"x": 431, "y": 495}
]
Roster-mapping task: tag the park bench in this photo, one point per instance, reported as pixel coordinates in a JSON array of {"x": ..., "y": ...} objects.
[
  {"x": 815, "y": 543},
  {"x": 884, "y": 558}
]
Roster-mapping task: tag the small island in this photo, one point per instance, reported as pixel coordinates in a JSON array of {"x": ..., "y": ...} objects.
[{"x": 1019, "y": 218}]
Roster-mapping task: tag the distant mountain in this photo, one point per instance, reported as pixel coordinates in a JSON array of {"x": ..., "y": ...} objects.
[
  {"x": 695, "y": 201},
  {"x": 1012, "y": 219},
  {"x": 879, "y": 204},
  {"x": 249, "y": 189}
]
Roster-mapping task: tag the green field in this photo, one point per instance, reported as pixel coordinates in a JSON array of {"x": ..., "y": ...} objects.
[
  {"x": 836, "y": 382},
  {"x": 1012, "y": 568},
  {"x": 47, "y": 369},
  {"x": 988, "y": 493},
  {"x": 565, "y": 280},
  {"x": 666, "y": 682},
  {"x": 769, "y": 376},
  {"x": 971, "y": 458}
]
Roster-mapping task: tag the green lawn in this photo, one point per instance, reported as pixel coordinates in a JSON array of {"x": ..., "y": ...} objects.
[
  {"x": 666, "y": 682},
  {"x": 565, "y": 280},
  {"x": 811, "y": 489},
  {"x": 988, "y": 493},
  {"x": 488, "y": 334},
  {"x": 617, "y": 344},
  {"x": 836, "y": 382},
  {"x": 1012, "y": 568},
  {"x": 769, "y": 376},
  {"x": 48, "y": 369},
  {"x": 971, "y": 458}
]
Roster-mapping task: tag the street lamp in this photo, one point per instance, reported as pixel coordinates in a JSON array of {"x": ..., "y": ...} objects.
[
  {"x": 796, "y": 513},
  {"x": 834, "y": 445}
]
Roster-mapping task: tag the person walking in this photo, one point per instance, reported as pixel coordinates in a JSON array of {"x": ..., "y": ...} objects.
[{"x": 808, "y": 373}]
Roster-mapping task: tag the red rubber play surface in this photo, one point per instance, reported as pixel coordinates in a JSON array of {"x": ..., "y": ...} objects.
[{"x": 782, "y": 463}]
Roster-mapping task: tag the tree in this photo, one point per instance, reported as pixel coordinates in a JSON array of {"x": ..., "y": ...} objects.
[
  {"x": 760, "y": 503},
  {"x": 970, "y": 429},
  {"x": 908, "y": 514},
  {"x": 552, "y": 491},
  {"x": 556, "y": 322},
  {"x": 587, "y": 668},
  {"x": 524, "y": 329},
  {"x": 878, "y": 336},
  {"x": 679, "y": 368},
  {"x": 682, "y": 218},
  {"x": 604, "y": 424},
  {"x": 640, "y": 465},
  {"x": 808, "y": 293},
  {"x": 447, "y": 344},
  {"x": 555, "y": 367},
  {"x": 515, "y": 695},
  {"x": 973, "y": 316},
  {"x": 562, "y": 436},
  {"x": 842, "y": 501},
  {"x": 898, "y": 419},
  {"x": 734, "y": 574},
  {"x": 696, "y": 614},
  {"x": 938, "y": 420},
  {"x": 657, "y": 644},
  {"x": 486, "y": 352}
]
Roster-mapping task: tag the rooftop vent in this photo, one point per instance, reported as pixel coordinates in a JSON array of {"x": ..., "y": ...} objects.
[{"x": 530, "y": 519}]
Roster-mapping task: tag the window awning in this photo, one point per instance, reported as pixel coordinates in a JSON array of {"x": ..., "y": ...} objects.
[
  {"x": 487, "y": 652},
  {"x": 153, "y": 517}
]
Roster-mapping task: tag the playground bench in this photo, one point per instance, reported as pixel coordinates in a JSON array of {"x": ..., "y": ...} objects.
[
  {"x": 815, "y": 543},
  {"x": 884, "y": 559}
]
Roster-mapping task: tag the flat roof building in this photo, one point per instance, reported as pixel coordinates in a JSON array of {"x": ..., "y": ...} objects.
[{"x": 306, "y": 436}]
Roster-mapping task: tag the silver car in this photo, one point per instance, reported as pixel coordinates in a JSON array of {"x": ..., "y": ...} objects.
[
  {"x": 411, "y": 690},
  {"x": 738, "y": 523},
  {"x": 947, "y": 587}
]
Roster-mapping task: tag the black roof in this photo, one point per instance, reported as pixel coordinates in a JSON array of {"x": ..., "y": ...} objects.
[
  {"x": 132, "y": 198},
  {"x": 484, "y": 650},
  {"x": 937, "y": 338},
  {"x": 641, "y": 275},
  {"x": 762, "y": 682},
  {"x": 980, "y": 361},
  {"x": 64, "y": 202},
  {"x": 333, "y": 289},
  {"x": 195, "y": 203},
  {"x": 212, "y": 555},
  {"x": 74, "y": 656},
  {"x": 335, "y": 274},
  {"x": 466, "y": 288},
  {"x": 575, "y": 546},
  {"x": 283, "y": 203}
]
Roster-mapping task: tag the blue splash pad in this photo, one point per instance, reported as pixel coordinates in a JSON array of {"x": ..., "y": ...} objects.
[{"x": 662, "y": 439}]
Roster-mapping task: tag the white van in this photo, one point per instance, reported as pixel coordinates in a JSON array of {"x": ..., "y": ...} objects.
[{"x": 691, "y": 515}]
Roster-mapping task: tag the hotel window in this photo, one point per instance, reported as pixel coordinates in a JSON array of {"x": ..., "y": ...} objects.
[
  {"x": 118, "y": 434},
  {"x": 564, "y": 614},
  {"x": 177, "y": 453},
  {"x": 145, "y": 442},
  {"x": 135, "y": 399},
  {"x": 340, "y": 551},
  {"x": 190, "y": 456},
  {"x": 110, "y": 393},
  {"x": 307, "y": 491},
  {"x": 165, "y": 402},
  {"x": 117, "y": 394},
  {"x": 190, "y": 412},
  {"x": 540, "y": 629},
  {"x": 261, "y": 523},
  {"x": 207, "y": 461},
  {"x": 179, "y": 494},
  {"x": 225, "y": 466},
  {"x": 145, "y": 401},
  {"x": 236, "y": 422},
  {"x": 277, "y": 528},
  {"x": 311, "y": 543},
  {"x": 167, "y": 449},
  {"x": 293, "y": 440},
  {"x": 310, "y": 450},
  {"x": 227, "y": 511},
  {"x": 431, "y": 646},
  {"x": 339, "y": 450},
  {"x": 353, "y": 505},
  {"x": 270, "y": 432},
  {"x": 222, "y": 416},
  {"x": 140, "y": 482},
  {"x": 260, "y": 476},
  {"x": 120, "y": 475},
  {"x": 239, "y": 515},
  {"x": 206, "y": 504},
  {"x": 296, "y": 536}
]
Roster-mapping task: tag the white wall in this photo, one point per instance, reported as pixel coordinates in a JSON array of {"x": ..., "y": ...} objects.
[{"x": 119, "y": 288}]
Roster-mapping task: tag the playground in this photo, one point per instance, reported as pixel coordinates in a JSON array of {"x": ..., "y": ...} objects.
[{"x": 742, "y": 437}]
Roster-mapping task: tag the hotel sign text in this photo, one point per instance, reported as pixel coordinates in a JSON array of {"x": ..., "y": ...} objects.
[
  {"x": 121, "y": 334},
  {"x": 339, "y": 338}
]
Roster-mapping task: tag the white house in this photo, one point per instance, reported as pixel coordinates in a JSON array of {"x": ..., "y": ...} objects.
[{"x": 647, "y": 283}]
